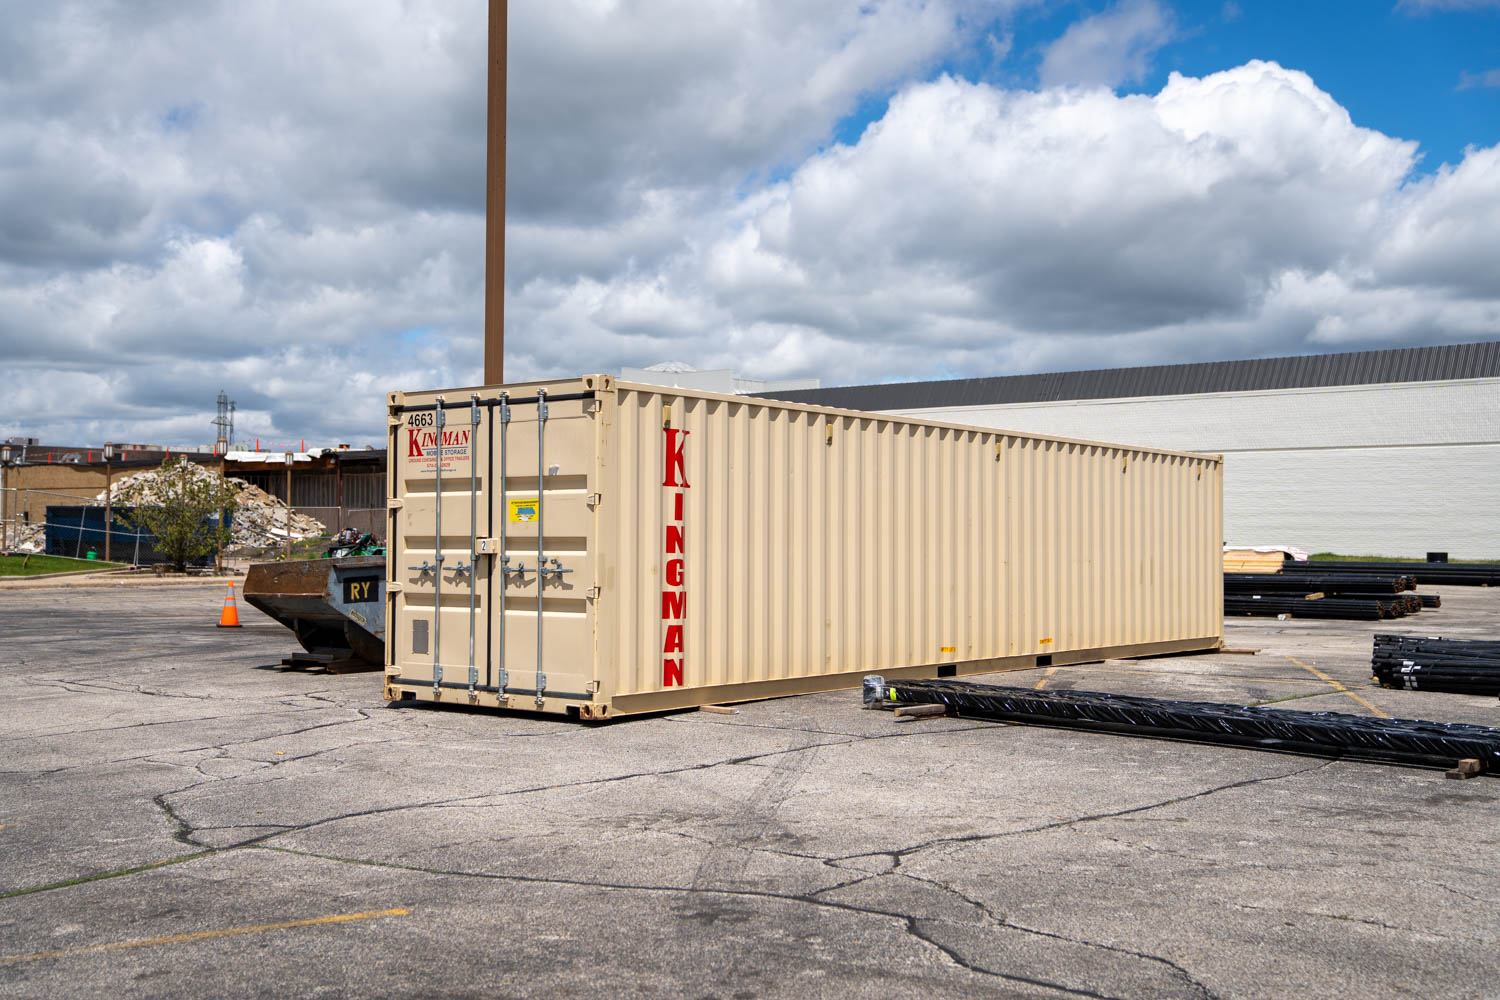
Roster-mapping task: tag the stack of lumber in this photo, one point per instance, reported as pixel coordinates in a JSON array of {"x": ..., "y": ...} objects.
[
  {"x": 1251, "y": 561},
  {"x": 1432, "y": 663}
]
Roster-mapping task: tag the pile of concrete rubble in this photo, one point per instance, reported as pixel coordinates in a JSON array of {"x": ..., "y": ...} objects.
[
  {"x": 26, "y": 538},
  {"x": 259, "y": 521}
]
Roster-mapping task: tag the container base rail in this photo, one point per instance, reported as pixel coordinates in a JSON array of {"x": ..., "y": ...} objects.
[
  {"x": 1432, "y": 663},
  {"x": 1412, "y": 742}
]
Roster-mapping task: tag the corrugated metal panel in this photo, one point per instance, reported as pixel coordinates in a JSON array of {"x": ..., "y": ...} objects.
[
  {"x": 1422, "y": 364},
  {"x": 745, "y": 548}
]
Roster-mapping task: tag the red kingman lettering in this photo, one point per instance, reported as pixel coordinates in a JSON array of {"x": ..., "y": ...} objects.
[
  {"x": 413, "y": 443},
  {"x": 671, "y": 673},
  {"x": 674, "y": 602},
  {"x": 676, "y": 473}
]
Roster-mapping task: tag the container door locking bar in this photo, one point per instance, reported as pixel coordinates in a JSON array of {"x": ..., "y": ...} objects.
[
  {"x": 441, "y": 416},
  {"x": 473, "y": 526},
  {"x": 541, "y": 559},
  {"x": 503, "y": 679}
]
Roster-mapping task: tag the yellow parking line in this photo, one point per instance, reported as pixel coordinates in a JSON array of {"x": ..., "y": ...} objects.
[
  {"x": 338, "y": 918},
  {"x": 1337, "y": 686},
  {"x": 1042, "y": 681}
]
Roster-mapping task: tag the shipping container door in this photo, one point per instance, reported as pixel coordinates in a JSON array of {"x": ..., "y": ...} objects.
[
  {"x": 477, "y": 546},
  {"x": 440, "y": 457},
  {"x": 544, "y": 533}
]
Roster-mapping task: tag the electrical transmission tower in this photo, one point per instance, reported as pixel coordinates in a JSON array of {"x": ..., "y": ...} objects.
[{"x": 225, "y": 423}]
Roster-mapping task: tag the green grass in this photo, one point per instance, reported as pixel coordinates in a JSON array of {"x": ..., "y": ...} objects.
[
  {"x": 1335, "y": 557},
  {"x": 42, "y": 565}
]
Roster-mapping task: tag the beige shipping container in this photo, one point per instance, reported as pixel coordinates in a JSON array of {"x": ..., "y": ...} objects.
[{"x": 598, "y": 547}]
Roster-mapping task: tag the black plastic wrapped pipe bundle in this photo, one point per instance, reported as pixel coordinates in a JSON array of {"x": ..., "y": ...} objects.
[
  {"x": 1308, "y": 583},
  {"x": 1369, "y": 608},
  {"x": 1432, "y": 663},
  {"x": 1322, "y": 734},
  {"x": 1458, "y": 574}
]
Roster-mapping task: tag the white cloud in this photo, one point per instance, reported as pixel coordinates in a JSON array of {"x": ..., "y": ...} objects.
[
  {"x": 195, "y": 188},
  {"x": 285, "y": 200},
  {"x": 1431, "y": 5},
  {"x": 975, "y": 230},
  {"x": 1109, "y": 48},
  {"x": 1489, "y": 78}
]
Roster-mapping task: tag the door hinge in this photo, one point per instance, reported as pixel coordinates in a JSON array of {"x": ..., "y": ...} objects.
[
  {"x": 594, "y": 499},
  {"x": 592, "y": 593}
]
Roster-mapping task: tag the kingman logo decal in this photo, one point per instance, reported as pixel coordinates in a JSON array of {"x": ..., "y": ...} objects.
[{"x": 420, "y": 442}]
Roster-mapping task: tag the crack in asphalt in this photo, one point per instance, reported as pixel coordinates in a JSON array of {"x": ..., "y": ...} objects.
[
  {"x": 776, "y": 785},
  {"x": 1342, "y": 916},
  {"x": 147, "y": 725},
  {"x": 974, "y": 838},
  {"x": 468, "y": 801},
  {"x": 910, "y": 924},
  {"x": 1000, "y": 920},
  {"x": 216, "y": 746},
  {"x": 772, "y": 790}
]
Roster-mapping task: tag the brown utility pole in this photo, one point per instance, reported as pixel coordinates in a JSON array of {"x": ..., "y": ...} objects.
[
  {"x": 287, "y": 550},
  {"x": 494, "y": 203}
]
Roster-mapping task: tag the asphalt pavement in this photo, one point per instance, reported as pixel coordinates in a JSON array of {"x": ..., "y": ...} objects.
[{"x": 181, "y": 818}]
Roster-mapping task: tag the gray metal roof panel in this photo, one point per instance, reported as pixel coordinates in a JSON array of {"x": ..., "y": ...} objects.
[{"x": 1413, "y": 364}]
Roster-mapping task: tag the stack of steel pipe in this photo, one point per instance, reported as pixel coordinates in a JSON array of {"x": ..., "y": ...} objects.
[
  {"x": 1305, "y": 594},
  {"x": 1432, "y": 663},
  {"x": 1309, "y": 583},
  {"x": 1326, "y": 734},
  {"x": 1457, "y": 574},
  {"x": 1270, "y": 605}
]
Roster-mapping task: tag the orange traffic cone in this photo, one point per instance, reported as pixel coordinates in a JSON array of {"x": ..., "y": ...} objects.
[{"x": 230, "y": 618}]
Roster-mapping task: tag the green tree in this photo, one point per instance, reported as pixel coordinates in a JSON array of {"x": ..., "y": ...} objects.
[{"x": 180, "y": 504}]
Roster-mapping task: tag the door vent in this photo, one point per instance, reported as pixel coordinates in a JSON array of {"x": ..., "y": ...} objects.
[{"x": 419, "y": 635}]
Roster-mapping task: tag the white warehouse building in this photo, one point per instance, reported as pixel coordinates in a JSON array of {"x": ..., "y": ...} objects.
[{"x": 1373, "y": 453}]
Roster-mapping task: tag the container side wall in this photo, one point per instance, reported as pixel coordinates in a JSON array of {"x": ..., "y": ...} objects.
[{"x": 746, "y": 542}]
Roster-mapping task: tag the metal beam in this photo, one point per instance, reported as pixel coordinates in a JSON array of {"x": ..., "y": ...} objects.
[
  {"x": 494, "y": 203},
  {"x": 1328, "y": 734}
]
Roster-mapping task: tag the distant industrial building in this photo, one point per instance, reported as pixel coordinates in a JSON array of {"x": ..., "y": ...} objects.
[
  {"x": 1392, "y": 453},
  {"x": 343, "y": 488}
]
